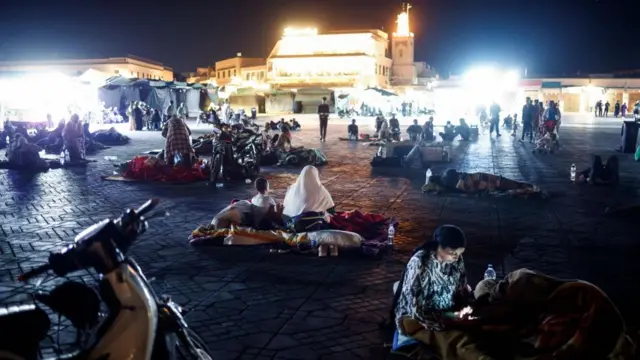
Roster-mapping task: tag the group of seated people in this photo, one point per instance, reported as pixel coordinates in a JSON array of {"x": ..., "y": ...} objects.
[
  {"x": 526, "y": 315},
  {"x": 425, "y": 133},
  {"x": 23, "y": 150},
  {"x": 291, "y": 125},
  {"x": 306, "y": 206}
]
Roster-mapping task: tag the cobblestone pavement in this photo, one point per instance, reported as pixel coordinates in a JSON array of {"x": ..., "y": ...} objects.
[{"x": 251, "y": 304}]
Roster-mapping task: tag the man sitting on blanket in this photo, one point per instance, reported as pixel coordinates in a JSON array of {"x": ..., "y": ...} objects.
[{"x": 352, "y": 130}]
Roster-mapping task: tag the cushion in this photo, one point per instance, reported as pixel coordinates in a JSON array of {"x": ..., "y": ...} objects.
[{"x": 343, "y": 239}]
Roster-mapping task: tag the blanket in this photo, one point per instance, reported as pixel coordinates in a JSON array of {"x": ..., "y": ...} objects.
[
  {"x": 537, "y": 317},
  {"x": 148, "y": 168},
  {"x": 370, "y": 228}
]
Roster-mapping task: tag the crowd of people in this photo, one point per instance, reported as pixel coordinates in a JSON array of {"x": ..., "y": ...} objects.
[{"x": 70, "y": 139}]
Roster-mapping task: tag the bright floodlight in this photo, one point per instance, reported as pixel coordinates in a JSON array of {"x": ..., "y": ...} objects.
[
  {"x": 480, "y": 76},
  {"x": 511, "y": 79}
]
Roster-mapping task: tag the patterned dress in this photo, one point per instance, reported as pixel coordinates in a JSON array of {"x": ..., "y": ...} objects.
[
  {"x": 429, "y": 289},
  {"x": 178, "y": 141}
]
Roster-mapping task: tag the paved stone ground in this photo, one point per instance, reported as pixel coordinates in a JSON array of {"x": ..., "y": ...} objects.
[{"x": 251, "y": 304}]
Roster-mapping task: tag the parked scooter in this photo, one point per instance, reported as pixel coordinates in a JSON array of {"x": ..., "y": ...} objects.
[
  {"x": 139, "y": 323},
  {"x": 235, "y": 155}
]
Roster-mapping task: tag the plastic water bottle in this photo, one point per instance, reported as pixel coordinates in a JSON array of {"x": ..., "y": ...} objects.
[
  {"x": 62, "y": 157},
  {"x": 573, "y": 172},
  {"x": 490, "y": 274},
  {"x": 391, "y": 234}
]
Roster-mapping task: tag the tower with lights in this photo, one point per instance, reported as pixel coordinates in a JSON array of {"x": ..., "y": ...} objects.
[{"x": 403, "y": 69}]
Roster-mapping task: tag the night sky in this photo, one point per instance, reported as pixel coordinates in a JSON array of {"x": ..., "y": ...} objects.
[{"x": 547, "y": 37}]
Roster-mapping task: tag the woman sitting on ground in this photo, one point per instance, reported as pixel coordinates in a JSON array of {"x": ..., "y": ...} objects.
[
  {"x": 22, "y": 155},
  {"x": 453, "y": 180},
  {"x": 308, "y": 204},
  {"x": 432, "y": 291},
  {"x": 598, "y": 174},
  {"x": 71, "y": 136},
  {"x": 464, "y": 130}
]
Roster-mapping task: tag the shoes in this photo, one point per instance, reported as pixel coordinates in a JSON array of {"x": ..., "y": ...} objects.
[{"x": 322, "y": 250}]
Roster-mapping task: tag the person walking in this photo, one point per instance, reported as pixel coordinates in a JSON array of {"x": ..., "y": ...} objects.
[
  {"x": 323, "y": 114},
  {"x": 494, "y": 112},
  {"x": 528, "y": 113}
]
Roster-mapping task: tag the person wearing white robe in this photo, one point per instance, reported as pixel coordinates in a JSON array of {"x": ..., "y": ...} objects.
[{"x": 307, "y": 194}]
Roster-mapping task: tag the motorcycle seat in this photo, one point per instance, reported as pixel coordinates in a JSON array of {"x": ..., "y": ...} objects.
[{"x": 23, "y": 327}]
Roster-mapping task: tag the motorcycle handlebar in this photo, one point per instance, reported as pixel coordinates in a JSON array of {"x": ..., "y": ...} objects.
[{"x": 57, "y": 260}]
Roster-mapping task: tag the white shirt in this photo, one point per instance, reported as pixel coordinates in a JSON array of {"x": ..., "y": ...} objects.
[{"x": 263, "y": 201}]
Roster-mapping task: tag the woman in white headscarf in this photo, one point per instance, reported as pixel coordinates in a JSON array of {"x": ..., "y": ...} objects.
[{"x": 308, "y": 195}]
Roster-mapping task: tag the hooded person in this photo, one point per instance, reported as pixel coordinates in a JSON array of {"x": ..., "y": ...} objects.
[
  {"x": 307, "y": 202},
  {"x": 178, "y": 143}
]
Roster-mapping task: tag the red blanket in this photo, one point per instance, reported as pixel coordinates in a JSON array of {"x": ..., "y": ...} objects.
[
  {"x": 137, "y": 169},
  {"x": 369, "y": 226}
]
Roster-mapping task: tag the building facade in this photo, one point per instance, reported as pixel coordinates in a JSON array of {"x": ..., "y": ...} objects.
[
  {"x": 573, "y": 95},
  {"x": 303, "y": 58},
  {"x": 231, "y": 71},
  {"x": 130, "y": 66}
]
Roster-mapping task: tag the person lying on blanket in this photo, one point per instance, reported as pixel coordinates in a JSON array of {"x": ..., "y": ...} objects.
[
  {"x": 568, "y": 319},
  {"x": 432, "y": 290},
  {"x": 307, "y": 203},
  {"x": 476, "y": 182}
]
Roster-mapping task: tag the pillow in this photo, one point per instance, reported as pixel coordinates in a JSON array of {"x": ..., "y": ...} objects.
[{"x": 343, "y": 239}]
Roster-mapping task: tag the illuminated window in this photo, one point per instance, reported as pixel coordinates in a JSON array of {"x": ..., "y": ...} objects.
[
  {"x": 248, "y": 76},
  {"x": 235, "y": 73}
]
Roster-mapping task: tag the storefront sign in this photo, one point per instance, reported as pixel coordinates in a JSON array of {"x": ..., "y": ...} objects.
[
  {"x": 551, "y": 85},
  {"x": 530, "y": 83},
  {"x": 300, "y": 32}
]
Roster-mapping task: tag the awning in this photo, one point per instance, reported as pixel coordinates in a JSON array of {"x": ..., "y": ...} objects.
[
  {"x": 118, "y": 80},
  {"x": 551, "y": 85},
  {"x": 382, "y": 91}
]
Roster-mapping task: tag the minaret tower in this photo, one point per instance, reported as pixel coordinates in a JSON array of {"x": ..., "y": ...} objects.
[{"x": 403, "y": 70}]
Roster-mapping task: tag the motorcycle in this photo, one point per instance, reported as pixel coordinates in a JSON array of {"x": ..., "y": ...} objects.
[
  {"x": 347, "y": 113},
  {"x": 236, "y": 155},
  {"x": 139, "y": 323}
]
